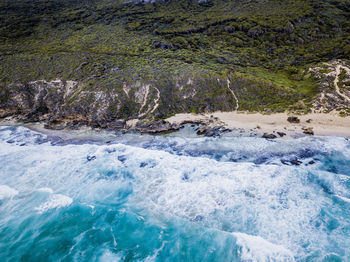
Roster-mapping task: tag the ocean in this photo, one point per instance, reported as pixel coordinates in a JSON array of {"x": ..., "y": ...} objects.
[{"x": 177, "y": 197}]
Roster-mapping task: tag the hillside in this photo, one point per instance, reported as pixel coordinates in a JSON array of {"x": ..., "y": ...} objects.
[{"x": 98, "y": 61}]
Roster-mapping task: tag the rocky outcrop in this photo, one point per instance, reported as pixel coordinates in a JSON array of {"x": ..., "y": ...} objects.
[
  {"x": 211, "y": 131},
  {"x": 269, "y": 136},
  {"x": 154, "y": 127}
]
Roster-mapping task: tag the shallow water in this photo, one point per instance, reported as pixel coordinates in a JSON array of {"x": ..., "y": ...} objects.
[{"x": 178, "y": 197}]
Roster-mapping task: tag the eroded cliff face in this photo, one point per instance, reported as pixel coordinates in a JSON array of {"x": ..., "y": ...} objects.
[
  {"x": 53, "y": 101},
  {"x": 61, "y": 103}
]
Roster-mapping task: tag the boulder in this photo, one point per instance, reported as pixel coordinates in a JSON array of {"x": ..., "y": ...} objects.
[
  {"x": 216, "y": 131},
  {"x": 308, "y": 131},
  {"x": 293, "y": 119},
  {"x": 281, "y": 134},
  {"x": 202, "y": 130},
  {"x": 117, "y": 124},
  {"x": 90, "y": 158},
  {"x": 269, "y": 136}
]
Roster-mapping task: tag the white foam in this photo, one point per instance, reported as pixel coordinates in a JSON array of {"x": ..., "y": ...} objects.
[
  {"x": 108, "y": 256},
  {"x": 257, "y": 249},
  {"x": 156, "y": 253},
  {"x": 55, "y": 201},
  {"x": 20, "y": 135},
  {"x": 275, "y": 202},
  {"x": 345, "y": 199},
  {"x": 46, "y": 189},
  {"x": 7, "y": 192}
]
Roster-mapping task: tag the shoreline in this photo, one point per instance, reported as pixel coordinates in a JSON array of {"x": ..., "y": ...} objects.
[
  {"x": 321, "y": 124},
  {"x": 330, "y": 124}
]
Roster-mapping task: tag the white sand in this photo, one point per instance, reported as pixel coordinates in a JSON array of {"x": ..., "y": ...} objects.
[{"x": 322, "y": 124}]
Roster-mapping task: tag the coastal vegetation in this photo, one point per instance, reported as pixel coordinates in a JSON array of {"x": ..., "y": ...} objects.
[{"x": 187, "y": 50}]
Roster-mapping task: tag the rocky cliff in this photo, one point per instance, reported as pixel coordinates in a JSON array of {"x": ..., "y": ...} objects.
[{"x": 60, "y": 102}]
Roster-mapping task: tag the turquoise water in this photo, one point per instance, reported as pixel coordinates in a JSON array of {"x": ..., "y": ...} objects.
[{"x": 173, "y": 198}]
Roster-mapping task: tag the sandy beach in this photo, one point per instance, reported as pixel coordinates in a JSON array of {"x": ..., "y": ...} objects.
[
  {"x": 330, "y": 124},
  {"x": 321, "y": 124}
]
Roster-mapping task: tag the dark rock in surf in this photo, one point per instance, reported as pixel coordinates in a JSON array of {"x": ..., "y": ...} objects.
[
  {"x": 143, "y": 164},
  {"x": 281, "y": 134},
  {"x": 202, "y": 130},
  {"x": 90, "y": 158},
  {"x": 122, "y": 158},
  {"x": 212, "y": 132},
  {"x": 294, "y": 162},
  {"x": 269, "y": 136},
  {"x": 216, "y": 131}
]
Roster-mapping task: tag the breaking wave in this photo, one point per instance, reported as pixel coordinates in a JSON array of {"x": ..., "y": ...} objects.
[{"x": 178, "y": 197}]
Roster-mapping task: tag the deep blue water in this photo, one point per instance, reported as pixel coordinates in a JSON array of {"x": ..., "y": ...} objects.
[{"x": 173, "y": 198}]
